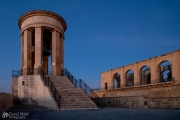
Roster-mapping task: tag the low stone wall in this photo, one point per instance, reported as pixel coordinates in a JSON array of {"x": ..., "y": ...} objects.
[
  {"x": 140, "y": 102},
  {"x": 6, "y": 101},
  {"x": 165, "y": 103},
  {"x": 124, "y": 102},
  {"x": 162, "y": 95},
  {"x": 14, "y": 81},
  {"x": 166, "y": 89}
]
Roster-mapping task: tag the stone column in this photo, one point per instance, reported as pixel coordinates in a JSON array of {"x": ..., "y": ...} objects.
[
  {"x": 38, "y": 47},
  {"x": 111, "y": 85},
  {"x": 123, "y": 81},
  {"x": 154, "y": 71},
  {"x": 175, "y": 66},
  {"x": 27, "y": 49},
  {"x": 136, "y": 77},
  {"x": 45, "y": 64},
  {"x": 178, "y": 66},
  {"x": 61, "y": 67},
  {"x": 55, "y": 53},
  {"x": 22, "y": 50}
]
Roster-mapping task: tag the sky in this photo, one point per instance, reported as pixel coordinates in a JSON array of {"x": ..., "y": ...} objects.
[{"x": 101, "y": 34}]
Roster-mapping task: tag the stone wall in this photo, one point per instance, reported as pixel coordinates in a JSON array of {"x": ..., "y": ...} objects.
[
  {"x": 160, "y": 90},
  {"x": 15, "y": 89},
  {"x": 31, "y": 90},
  {"x": 140, "y": 102},
  {"x": 167, "y": 103},
  {"x": 160, "y": 95},
  {"x": 6, "y": 101},
  {"x": 27, "y": 89}
]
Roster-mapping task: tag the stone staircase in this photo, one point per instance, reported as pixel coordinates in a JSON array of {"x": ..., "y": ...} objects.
[{"x": 72, "y": 98}]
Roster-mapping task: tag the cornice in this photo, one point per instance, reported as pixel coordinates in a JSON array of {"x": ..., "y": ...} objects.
[{"x": 42, "y": 13}]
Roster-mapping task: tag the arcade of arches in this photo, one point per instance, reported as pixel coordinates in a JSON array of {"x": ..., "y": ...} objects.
[
  {"x": 151, "y": 83},
  {"x": 160, "y": 69}
]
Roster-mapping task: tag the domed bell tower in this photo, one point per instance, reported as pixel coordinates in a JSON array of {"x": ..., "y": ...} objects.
[{"x": 42, "y": 37}]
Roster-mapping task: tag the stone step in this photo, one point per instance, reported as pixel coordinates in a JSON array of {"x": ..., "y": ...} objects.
[
  {"x": 78, "y": 108},
  {"x": 66, "y": 105},
  {"x": 77, "y": 105},
  {"x": 61, "y": 81},
  {"x": 72, "y": 98}
]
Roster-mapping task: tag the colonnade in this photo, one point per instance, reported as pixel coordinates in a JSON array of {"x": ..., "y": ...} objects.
[{"x": 42, "y": 36}]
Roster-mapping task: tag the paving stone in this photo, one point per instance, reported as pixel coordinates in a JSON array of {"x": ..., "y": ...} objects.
[{"x": 40, "y": 113}]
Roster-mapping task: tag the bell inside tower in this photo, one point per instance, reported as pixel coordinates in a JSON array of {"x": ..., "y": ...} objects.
[{"x": 47, "y": 48}]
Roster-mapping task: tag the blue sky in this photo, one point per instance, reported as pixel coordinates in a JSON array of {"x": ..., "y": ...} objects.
[{"x": 101, "y": 34}]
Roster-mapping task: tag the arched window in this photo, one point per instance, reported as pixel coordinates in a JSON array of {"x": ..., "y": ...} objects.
[
  {"x": 130, "y": 78},
  {"x": 165, "y": 71},
  {"x": 145, "y": 75},
  {"x": 116, "y": 80}
]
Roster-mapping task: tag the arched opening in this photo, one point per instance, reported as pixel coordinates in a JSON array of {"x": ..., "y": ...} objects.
[
  {"x": 116, "y": 80},
  {"x": 47, "y": 48},
  {"x": 106, "y": 86},
  {"x": 130, "y": 78},
  {"x": 145, "y": 75},
  {"x": 165, "y": 71}
]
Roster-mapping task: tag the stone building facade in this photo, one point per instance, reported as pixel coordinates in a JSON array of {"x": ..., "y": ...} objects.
[
  {"x": 145, "y": 85},
  {"x": 107, "y": 78}
]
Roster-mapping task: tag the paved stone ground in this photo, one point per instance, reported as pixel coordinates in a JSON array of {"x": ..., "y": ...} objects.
[{"x": 40, "y": 113}]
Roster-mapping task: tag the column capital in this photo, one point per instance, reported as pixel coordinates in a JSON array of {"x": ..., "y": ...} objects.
[
  {"x": 60, "y": 32},
  {"x": 53, "y": 30},
  {"x": 42, "y": 28},
  {"x": 29, "y": 29}
]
